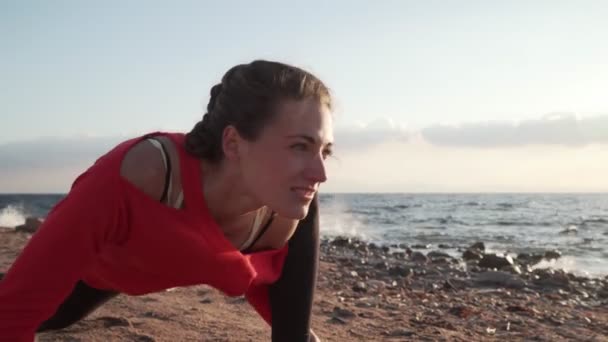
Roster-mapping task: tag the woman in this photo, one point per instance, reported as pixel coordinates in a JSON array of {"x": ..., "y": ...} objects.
[{"x": 231, "y": 204}]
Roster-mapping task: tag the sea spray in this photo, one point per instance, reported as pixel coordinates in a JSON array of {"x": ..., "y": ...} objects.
[{"x": 12, "y": 216}]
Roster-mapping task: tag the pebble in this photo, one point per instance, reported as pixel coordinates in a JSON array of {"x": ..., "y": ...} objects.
[
  {"x": 360, "y": 287},
  {"x": 480, "y": 246},
  {"x": 437, "y": 254},
  {"x": 421, "y": 246},
  {"x": 495, "y": 261},
  {"x": 471, "y": 255},
  {"x": 419, "y": 257},
  {"x": 343, "y": 313},
  {"x": 400, "y": 333},
  {"x": 399, "y": 255},
  {"x": 143, "y": 338},
  {"x": 400, "y": 271},
  {"x": 554, "y": 254},
  {"x": 31, "y": 225},
  {"x": 336, "y": 320},
  {"x": 499, "y": 278},
  {"x": 115, "y": 322}
]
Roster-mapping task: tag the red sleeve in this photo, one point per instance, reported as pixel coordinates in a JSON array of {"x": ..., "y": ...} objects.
[
  {"x": 54, "y": 259},
  {"x": 259, "y": 299},
  {"x": 258, "y": 294}
]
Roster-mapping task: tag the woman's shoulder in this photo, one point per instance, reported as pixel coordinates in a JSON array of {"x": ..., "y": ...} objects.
[{"x": 143, "y": 167}]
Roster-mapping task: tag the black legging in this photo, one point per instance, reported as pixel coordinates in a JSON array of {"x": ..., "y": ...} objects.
[
  {"x": 291, "y": 297},
  {"x": 80, "y": 303}
]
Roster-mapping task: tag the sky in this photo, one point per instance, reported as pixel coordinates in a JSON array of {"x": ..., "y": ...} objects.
[{"x": 431, "y": 96}]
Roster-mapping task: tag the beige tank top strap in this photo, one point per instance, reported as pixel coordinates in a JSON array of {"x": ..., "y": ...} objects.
[
  {"x": 180, "y": 196},
  {"x": 257, "y": 223}
]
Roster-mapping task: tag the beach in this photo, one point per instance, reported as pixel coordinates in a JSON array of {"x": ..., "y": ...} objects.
[
  {"x": 367, "y": 292},
  {"x": 451, "y": 159}
]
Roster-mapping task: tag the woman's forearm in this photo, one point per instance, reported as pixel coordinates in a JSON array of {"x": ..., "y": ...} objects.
[{"x": 291, "y": 297}]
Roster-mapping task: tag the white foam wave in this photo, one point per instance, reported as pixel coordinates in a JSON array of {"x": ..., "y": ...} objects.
[
  {"x": 583, "y": 267},
  {"x": 336, "y": 221},
  {"x": 565, "y": 263},
  {"x": 12, "y": 216}
]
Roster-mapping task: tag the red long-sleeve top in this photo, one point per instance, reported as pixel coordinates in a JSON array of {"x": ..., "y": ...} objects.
[{"x": 109, "y": 234}]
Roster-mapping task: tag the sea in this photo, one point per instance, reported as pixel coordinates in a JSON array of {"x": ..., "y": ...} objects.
[{"x": 574, "y": 224}]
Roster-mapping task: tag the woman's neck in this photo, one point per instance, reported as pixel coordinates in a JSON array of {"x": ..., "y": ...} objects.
[{"x": 225, "y": 195}]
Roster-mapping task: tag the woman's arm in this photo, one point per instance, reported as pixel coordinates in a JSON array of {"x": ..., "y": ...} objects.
[
  {"x": 52, "y": 262},
  {"x": 291, "y": 297},
  {"x": 91, "y": 216}
]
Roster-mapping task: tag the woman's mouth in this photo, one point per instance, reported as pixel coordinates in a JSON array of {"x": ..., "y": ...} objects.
[{"x": 304, "y": 192}]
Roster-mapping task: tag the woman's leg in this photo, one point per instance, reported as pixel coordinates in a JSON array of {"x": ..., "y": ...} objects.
[{"x": 80, "y": 303}]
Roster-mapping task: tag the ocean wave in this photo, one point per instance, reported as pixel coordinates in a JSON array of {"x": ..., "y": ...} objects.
[
  {"x": 594, "y": 221},
  {"x": 449, "y": 220},
  {"x": 387, "y": 221},
  {"x": 362, "y": 212},
  {"x": 472, "y": 204},
  {"x": 434, "y": 227},
  {"x": 578, "y": 266},
  {"x": 339, "y": 222},
  {"x": 520, "y": 223},
  {"x": 511, "y": 223},
  {"x": 12, "y": 216},
  {"x": 393, "y": 208},
  {"x": 503, "y": 206},
  {"x": 503, "y": 238}
]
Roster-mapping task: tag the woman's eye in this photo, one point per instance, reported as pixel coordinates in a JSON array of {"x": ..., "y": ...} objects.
[
  {"x": 299, "y": 147},
  {"x": 304, "y": 147}
]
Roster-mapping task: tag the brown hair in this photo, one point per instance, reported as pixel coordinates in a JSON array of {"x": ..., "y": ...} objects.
[{"x": 246, "y": 98}]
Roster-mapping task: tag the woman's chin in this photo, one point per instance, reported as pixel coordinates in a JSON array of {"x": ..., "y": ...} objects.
[{"x": 295, "y": 212}]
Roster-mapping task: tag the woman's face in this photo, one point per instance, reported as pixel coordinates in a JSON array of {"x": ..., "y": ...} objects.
[{"x": 284, "y": 167}]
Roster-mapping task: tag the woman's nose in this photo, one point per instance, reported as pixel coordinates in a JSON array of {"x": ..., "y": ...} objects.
[{"x": 317, "y": 171}]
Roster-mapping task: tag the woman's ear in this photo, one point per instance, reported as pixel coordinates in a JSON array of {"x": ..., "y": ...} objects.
[{"x": 231, "y": 143}]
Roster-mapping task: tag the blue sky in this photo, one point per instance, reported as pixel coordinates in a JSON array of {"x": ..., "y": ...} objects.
[{"x": 397, "y": 68}]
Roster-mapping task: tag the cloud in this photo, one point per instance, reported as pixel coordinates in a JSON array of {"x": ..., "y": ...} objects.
[
  {"x": 361, "y": 136},
  {"x": 418, "y": 166},
  {"x": 49, "y": 164},
  {"x": 52, "y": 152},
  {"x": 553, "y": 129},
  {"x": 385, "y": 156}
]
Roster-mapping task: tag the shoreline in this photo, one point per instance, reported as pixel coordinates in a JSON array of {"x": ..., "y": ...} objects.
[
  {"x": 566, "y": 262},
  {"x": 370, "y": 293}
]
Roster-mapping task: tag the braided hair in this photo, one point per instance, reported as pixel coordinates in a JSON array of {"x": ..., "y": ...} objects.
[{"x": 246, "y": 98}]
